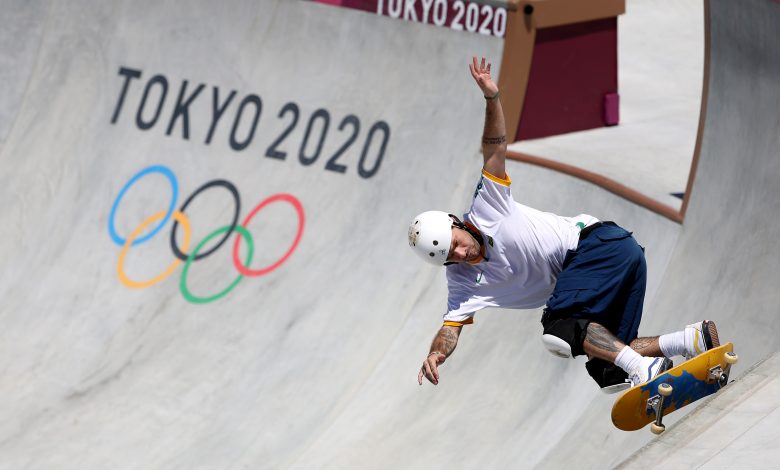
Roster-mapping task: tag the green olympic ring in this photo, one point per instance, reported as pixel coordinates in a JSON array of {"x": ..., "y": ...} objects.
[{"x": 183, "y": 284}]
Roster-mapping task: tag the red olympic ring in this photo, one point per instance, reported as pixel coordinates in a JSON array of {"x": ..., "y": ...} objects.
[{"x": 276, "y": 197}]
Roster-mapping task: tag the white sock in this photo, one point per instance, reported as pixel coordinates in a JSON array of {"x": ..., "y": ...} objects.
[
  {"x": 672, "y": 344},
  {"x": 628, "y": 359}
]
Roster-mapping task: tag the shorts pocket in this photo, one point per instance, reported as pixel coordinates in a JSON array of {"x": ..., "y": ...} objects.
[{"x": 573, "y": 295}]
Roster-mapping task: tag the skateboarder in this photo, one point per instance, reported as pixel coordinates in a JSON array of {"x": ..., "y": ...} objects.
[{"x": 591, "y": 274}]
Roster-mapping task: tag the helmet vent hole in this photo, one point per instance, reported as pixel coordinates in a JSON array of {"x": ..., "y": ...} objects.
[
  {"x": 431, "y": 255},
  {"x": 435, "y": 243}
]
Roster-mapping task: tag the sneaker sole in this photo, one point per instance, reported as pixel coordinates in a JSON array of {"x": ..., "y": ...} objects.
[{"x": 710, "y": 333}]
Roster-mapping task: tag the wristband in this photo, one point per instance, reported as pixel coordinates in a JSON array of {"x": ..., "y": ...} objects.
[
  {"x": 435, "y": 352},
  {"x": 491, "y": 98}
]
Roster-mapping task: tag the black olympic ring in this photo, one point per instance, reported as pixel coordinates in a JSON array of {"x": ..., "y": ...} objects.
[{"x": 230, "y": 187}]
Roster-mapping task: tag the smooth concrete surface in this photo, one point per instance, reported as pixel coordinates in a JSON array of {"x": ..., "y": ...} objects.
[
  {"x": 21, "y": 28},
  {"x": 660, "y": 72},
  {"x": 314, "y": 364}
]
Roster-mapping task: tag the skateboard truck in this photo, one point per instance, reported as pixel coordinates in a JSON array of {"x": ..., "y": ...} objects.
[
  {"x": 656, "y": 405},
  {"x": 717, "y": 374}
]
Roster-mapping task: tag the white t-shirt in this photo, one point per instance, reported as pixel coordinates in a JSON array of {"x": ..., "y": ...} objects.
[{"x": 524, "y": 253}]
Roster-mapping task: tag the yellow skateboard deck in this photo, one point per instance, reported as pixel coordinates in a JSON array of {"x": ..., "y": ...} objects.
[{"x": 680, "y": 386}]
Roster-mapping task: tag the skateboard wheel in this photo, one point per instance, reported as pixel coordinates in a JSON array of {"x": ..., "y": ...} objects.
[
  {"x": 731, "y": 357},
  {"x": 657, "y": 429},
  {"x": 665, "y": 390}
]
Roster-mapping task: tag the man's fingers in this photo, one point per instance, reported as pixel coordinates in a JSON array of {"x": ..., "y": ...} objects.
[
  {"x": 474, "y": 67},
  {"x": 473, "y": 72},
  {"x": 480, "y": 70},
  {"x": 427, "y": 372},
  {"x": 432, "y": 364},
  {"x": 430, "y": 369}
]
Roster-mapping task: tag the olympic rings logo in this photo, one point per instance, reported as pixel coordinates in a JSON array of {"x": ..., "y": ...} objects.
[{"x": 160, "y": 218}]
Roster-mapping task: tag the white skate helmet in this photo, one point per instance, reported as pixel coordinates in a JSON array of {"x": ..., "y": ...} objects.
[{"x": 430, "y": 235}]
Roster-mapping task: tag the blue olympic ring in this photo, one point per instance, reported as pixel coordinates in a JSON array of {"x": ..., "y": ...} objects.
[{"x": 165, "y": 171}]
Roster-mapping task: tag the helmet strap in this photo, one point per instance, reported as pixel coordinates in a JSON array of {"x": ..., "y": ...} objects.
[{"x": 472, "y": 230}]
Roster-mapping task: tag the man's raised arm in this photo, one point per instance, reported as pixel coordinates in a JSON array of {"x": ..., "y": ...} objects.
[{"x": 494, "y": 134}]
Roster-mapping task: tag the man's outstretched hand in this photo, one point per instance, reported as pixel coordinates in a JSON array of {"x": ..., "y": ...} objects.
[
  {"x": 430, "y": 368},
  {"x": 481, "y": 73}
]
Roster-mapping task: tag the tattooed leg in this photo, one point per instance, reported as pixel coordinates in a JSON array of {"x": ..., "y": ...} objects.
[
  {"x": 601, "y": 343},
  {"x": 647, "y": 346}
]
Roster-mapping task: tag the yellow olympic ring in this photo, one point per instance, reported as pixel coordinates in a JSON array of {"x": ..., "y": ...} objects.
[{"x": 179, "y": 217}]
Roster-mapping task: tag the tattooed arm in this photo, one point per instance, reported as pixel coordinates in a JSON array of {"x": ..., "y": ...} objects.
[
  {"x": 494, "y": 133},
  {"x": 442, "y": 346}
]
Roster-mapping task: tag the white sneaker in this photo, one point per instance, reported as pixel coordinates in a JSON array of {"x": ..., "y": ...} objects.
[
  {"x": 648, "y": 369},
  {"x": 700, "y": 337}
]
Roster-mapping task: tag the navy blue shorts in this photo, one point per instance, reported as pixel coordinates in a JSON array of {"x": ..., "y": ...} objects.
[{"x": 604, "y": 281}]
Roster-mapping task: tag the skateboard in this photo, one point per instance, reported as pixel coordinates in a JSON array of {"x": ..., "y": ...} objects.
[{"x": 679, "y": 386}]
